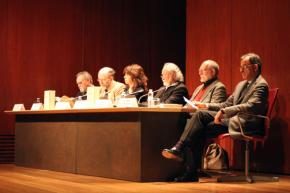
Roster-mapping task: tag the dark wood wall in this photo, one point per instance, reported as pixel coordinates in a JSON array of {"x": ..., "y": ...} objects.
[
  {"x": 223, "y": 30},
  {"x": 44, "y": 43}
]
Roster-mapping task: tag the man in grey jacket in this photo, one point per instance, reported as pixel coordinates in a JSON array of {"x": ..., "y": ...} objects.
[
  {"x": 250, "y": 96},
  {"x": 212, "y": 90}
]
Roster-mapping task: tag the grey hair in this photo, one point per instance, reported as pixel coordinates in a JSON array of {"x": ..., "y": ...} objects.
[
  {"x": 171, "y": 67},
  {"x": 85, "y": 75},
  {"x": 107, "y": 70},
  {"x": 253, "y": 59},
  {"x": 212, "y": 65}
]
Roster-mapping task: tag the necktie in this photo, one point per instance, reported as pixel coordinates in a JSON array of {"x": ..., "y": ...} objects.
[{"x": 106, "y": 94}]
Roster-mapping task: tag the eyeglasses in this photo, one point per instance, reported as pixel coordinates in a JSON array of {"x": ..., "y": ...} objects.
[{"x": 247, "y": 66}]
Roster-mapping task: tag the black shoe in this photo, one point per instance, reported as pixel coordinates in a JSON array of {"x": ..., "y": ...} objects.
[
  {"x": 186, "y": 177},
  {"x": 173, "y": 153},
  {"x": 203, "y": 174}
]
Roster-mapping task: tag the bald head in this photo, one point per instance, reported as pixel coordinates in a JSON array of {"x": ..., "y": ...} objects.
[{"x": 208, "y": 70}]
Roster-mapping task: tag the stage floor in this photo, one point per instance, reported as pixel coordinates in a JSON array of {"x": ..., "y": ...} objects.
[{"x": 27, "y": 180}]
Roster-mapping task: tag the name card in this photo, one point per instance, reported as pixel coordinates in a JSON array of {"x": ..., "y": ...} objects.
[
  {"x": 62, "y": 105},
  {"x": 36, "y": 107},
  {"x": 103, "y": 103},
  {"x": 84, "y": 104},
  {"x": 127, "y": 102},
  {"x": 18, "y": 107}
]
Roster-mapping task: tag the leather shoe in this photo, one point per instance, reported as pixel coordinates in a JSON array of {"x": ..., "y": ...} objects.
[
  {"x": 186, "y": 177},
  {"x": 173, "y": 153}
]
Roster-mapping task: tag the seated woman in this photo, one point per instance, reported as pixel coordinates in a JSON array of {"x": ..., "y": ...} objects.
[{"x": 135, "y": 80}]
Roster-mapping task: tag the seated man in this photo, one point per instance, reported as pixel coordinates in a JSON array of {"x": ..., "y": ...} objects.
[
  {"x": 211, "y": 90},
  {"x": 83, "y": 80},
  {"x": 110, "y": 89},
  {"x": 249, "y": 96},
  {"x": 173, "y": 90}
]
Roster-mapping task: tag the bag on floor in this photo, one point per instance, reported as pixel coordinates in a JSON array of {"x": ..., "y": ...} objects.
[{"x": 215, "y": 158}]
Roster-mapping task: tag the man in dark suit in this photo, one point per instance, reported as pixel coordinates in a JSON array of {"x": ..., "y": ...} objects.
[
  {"x": 250, "y": 96},
  {"x": 212, "y": 90},
  {"x": 174, "y": 89}
]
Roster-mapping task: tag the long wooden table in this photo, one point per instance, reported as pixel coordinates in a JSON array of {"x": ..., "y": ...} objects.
[{"x": 120, "y": 143}]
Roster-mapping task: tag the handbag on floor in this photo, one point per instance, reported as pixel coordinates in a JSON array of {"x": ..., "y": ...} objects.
[{"x": 215, "y": 158}]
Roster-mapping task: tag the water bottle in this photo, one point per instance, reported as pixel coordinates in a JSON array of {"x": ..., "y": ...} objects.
[
  {"x": 37, "y": 100},
  {"x": 150, "y": 98}
]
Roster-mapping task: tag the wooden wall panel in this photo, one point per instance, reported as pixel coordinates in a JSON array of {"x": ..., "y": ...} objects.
[
  {"x": 42, "y": 42},
  {"x": 260, "y": 26},
  {"x": 207, "y": 37}
]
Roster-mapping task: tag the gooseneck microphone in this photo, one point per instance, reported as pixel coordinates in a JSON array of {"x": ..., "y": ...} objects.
[
  {"x": 162, "y": 88},
  {"x": 133, "y": 93},
  {"x": 80, "y": 97}
]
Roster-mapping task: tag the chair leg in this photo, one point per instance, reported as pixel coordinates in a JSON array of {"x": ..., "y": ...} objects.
[{"x": 247, "y": 177}]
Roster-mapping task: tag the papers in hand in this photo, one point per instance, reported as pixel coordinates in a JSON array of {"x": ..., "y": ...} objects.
[{"x": 190, "y": 103}]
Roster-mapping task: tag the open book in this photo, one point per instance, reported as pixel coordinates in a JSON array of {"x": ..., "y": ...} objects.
[{"x": 190, "y": 103}]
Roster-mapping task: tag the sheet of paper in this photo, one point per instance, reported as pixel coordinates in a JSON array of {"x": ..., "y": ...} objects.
[{"x": 190, "y": 103}]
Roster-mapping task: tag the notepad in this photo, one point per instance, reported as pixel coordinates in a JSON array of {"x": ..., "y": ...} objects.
[{"x": 190, "y": 103}]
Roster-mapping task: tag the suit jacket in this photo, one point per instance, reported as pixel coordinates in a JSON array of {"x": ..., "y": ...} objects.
[
  {"x": 215, "y": 93},
  {"x": 114, "y": 91},
  {"x": 81, "y": 95},
  {"x": 173, "y": 94},
  {"x": 254, "y": 101}
]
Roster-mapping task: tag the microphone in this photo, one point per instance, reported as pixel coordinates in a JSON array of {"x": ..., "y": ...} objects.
[
  {"x": 162, "y": 88},
  {"x": 133, "y": 93},
  {"x": 66, "y": 98},
  {"x": 80, "y": 97}
]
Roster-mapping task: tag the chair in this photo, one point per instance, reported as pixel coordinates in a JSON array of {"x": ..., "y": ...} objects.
[{"x": 255, "y": 139}]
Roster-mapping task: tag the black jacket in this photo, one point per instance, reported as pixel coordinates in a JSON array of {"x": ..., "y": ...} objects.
[{"x": 173, "y": 94}]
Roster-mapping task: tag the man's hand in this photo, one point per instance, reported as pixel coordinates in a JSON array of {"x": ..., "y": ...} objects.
[
  {"x": 218, "y": 117},
  {"x": 200, "y": 105}
]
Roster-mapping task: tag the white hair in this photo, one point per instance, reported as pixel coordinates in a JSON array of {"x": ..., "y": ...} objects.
[
  {"x": 107, "y": 71},
  {"x": 85, "y": 75},
  {"x": 171, "y": 67}
]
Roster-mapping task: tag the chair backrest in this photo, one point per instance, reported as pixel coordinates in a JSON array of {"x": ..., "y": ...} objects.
[{"x": 273, "y": 92}]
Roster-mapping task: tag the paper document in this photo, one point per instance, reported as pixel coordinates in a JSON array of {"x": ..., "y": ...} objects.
[{"x": 190, "y": 103}]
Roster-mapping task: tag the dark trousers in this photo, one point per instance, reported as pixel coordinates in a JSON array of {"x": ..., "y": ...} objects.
[{"x": 199, "y": 127}]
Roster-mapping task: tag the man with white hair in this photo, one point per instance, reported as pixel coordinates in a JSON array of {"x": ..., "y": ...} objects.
[
  {"x": 110, "y": 89},
  {"x": 83, "y": 80},
  {"x": 173, "y": 89},
  {"x": 212, "y": 90}
]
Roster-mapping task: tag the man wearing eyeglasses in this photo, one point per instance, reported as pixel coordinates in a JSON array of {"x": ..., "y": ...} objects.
[
  {"x": 249, "y": 96},
  {"x": 110, "y": 89},
  {"x": 83, "y": 80}
]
